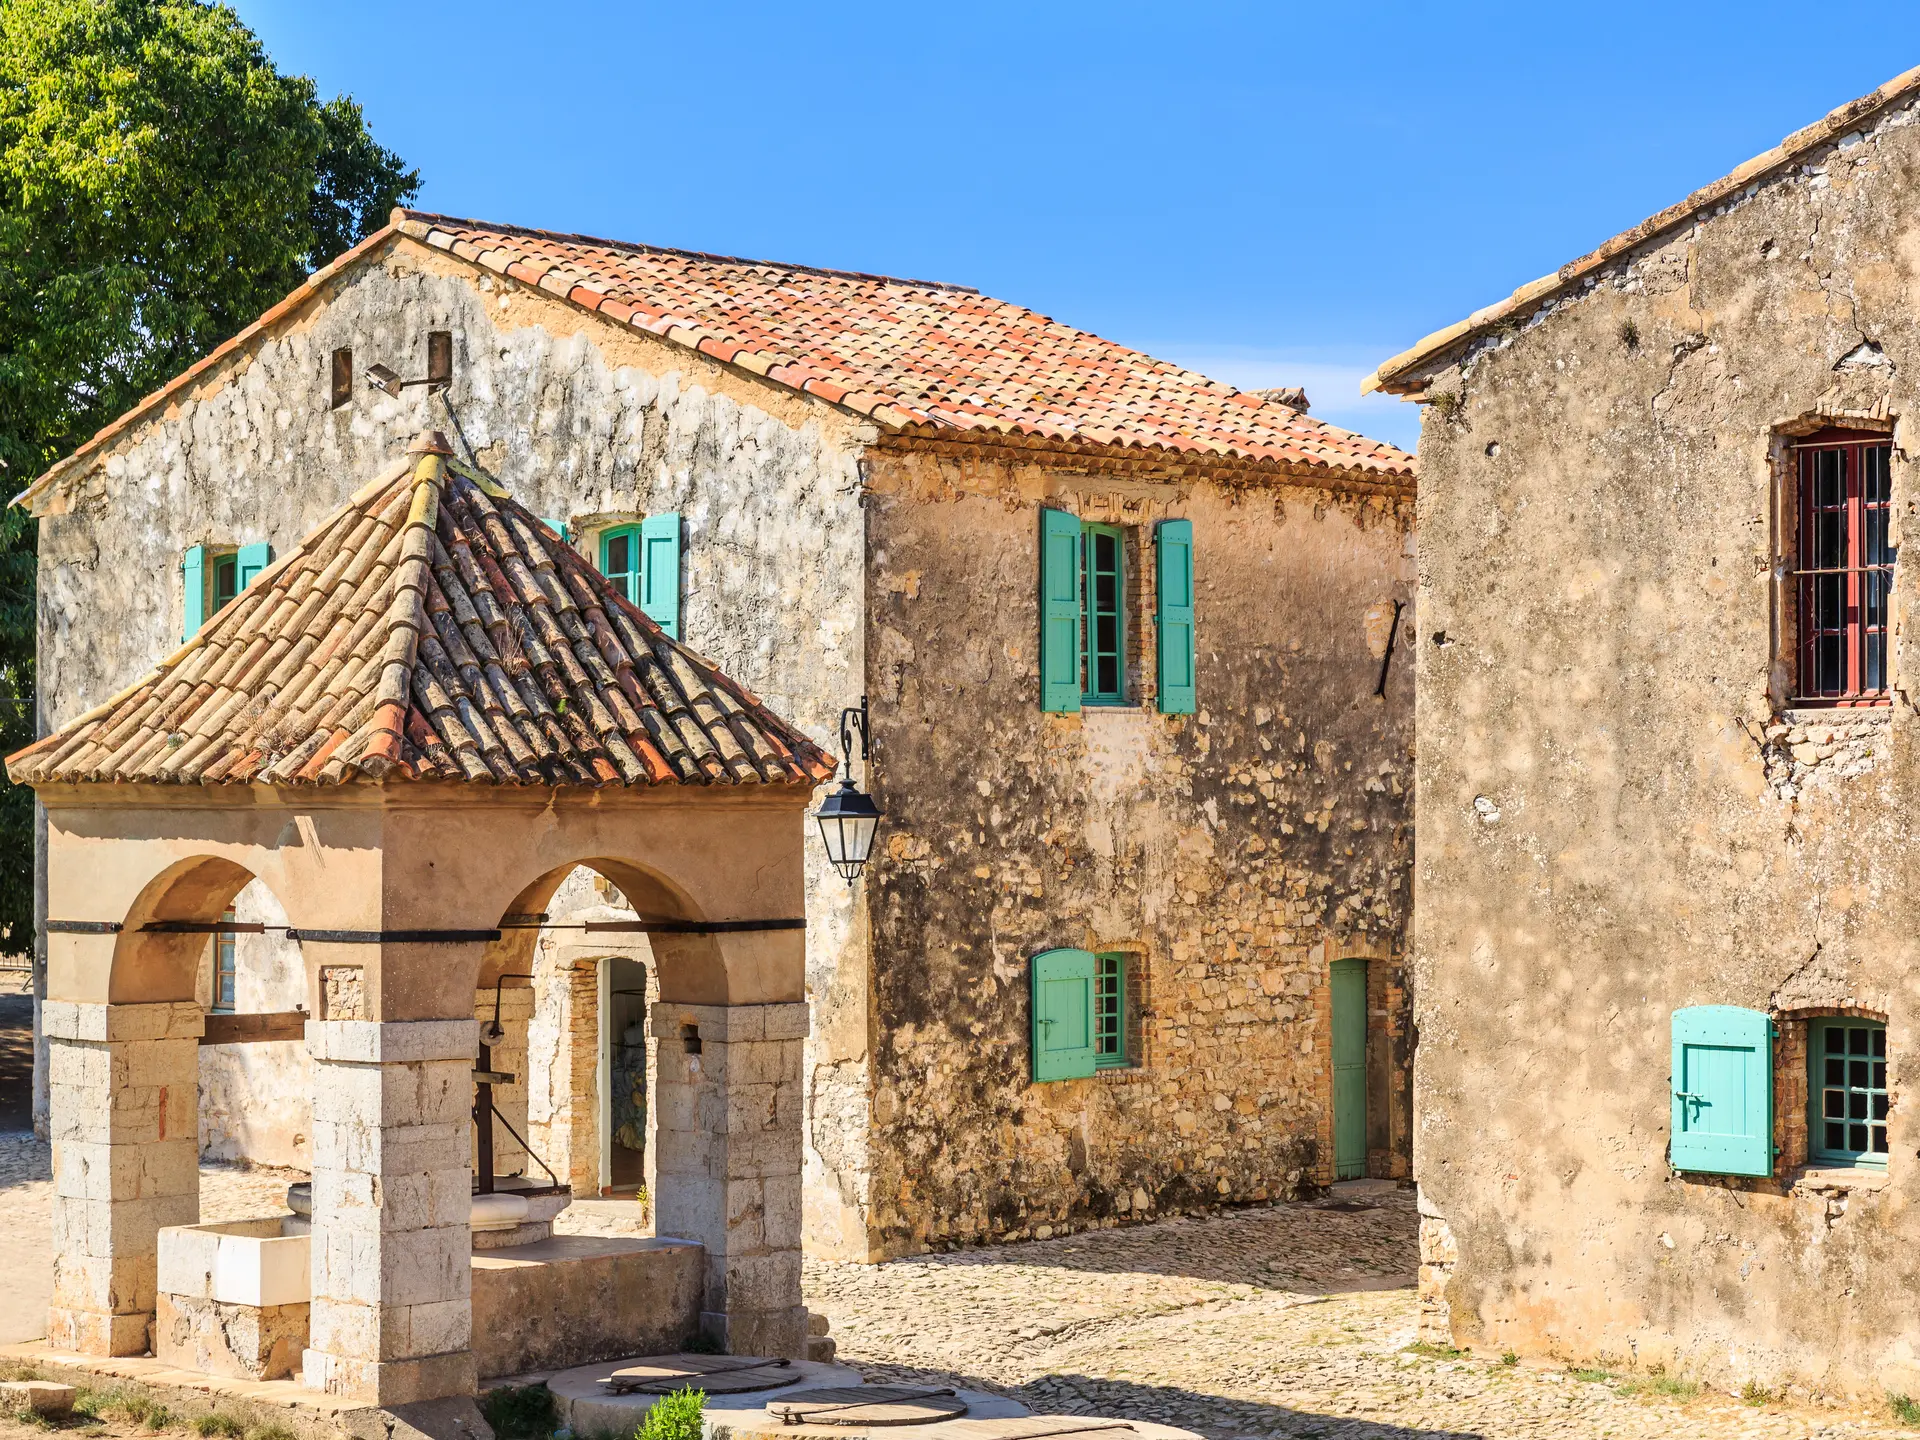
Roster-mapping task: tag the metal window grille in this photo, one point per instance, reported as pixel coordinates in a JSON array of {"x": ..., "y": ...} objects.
[
  {"x": 1103, "y": 643},
  {"x": 1110, "y": 1012},
  {"x": 224, "y": 969},
  {"x": 1844, "y": 574},
  {"x": 1849, "y": 1099}
]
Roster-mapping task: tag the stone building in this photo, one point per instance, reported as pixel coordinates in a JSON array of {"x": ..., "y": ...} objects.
[
  {"x": 1665, "y": 951},
  {"x": 1131, "y": 644}
]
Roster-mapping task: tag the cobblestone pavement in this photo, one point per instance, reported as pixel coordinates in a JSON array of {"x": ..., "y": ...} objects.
[{"x": 1291, "y": 1321}]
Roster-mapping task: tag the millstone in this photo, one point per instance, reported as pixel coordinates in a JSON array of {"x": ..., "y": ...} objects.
[
  {"x": 862, "y": 1405},
  {"x": 1035, "y": 1427},
  {"x": 715, "y": 1374}
]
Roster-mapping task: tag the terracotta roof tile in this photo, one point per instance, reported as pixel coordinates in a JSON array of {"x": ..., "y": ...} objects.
[
  {"x": 432, "y": 628},
  {"x": 912, "y": 352}
]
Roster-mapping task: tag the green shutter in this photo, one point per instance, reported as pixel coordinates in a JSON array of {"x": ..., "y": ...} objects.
[
  {"x": 558, "y": 526},
  {"x": 1063, "y": 1014},
  {"x": 193, "y": 571},
  {"x": 1173, "y": 619},
  {"x": 660, "y": 571},
  {"x": 1722, "y": 1091},
  {"x": 252, "y": 559},
  {"x": 1059, "y": 612}
]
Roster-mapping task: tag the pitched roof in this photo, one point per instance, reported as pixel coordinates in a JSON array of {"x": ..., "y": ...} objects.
[
  {"x": 431, "y": 629},
  {"x": 1402, "y": 374},
  {"x": 911, "y": 353},
  {"x": 915, "y": 356}
]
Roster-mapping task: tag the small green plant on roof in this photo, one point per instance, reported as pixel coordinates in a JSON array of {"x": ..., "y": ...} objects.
[
  {"x": 1756, "y": 1394},
  {"x": 1905, "y": 1409},
  {"x": 674, "y": 1417},
  {"x": 520, "y": 1412},
  {"x": 214, "y": 1423}
]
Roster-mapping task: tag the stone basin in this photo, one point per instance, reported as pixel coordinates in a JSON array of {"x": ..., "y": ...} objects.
[{"x": 237, "y": 1262}]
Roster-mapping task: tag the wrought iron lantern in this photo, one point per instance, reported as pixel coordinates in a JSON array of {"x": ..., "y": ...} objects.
[{"x": 848, "y": 818}]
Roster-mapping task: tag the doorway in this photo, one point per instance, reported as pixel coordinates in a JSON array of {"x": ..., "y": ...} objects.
[
  {"x": 1349, "y": 991},
  {"x": 623, "y": 1075}
]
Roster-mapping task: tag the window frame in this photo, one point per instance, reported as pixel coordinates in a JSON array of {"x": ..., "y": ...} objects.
[
  {"x": 1114, "y": 984},
  {"x": 1090, "y": 531},
  {"x": 222, "y": 563},
  {"x": 1818, "y": 1154},
  {"x": 1854, "y": 575},
  {"x": 631, "y": 580},
  {"x": 225, "y": 967}
]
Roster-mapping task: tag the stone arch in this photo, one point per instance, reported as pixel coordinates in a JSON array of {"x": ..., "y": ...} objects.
[{"x": 158, "y": 965}]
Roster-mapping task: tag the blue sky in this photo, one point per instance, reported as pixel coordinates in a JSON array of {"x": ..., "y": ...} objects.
[{"x": 1273, "y": 194}]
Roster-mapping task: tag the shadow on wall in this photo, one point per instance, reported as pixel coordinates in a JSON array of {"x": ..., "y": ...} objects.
[
  {"x": 1305, "y": 1248},
  {"x": 1169, "y": 1405}
]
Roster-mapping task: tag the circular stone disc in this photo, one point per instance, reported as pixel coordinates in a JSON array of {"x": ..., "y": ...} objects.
[
  {"x": 1048, "y": 1427},
  {"x": 861, "y": 1405},
  {"x": 715, "y": 1374}
]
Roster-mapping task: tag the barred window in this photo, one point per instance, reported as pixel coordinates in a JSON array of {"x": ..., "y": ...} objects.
[{"x": 1843, "y": 568}]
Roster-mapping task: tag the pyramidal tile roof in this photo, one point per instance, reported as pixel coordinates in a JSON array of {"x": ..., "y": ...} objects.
[
  {"x": 912, "y": 354},
  {"x": 432, "y": 629}
]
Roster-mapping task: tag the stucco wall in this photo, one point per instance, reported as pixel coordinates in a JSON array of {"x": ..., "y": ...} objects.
[
  {"x": 1235, "y": 852},
  {"x": 256, "y": 1101},
  {"x": 1610, "y": 828},
  {"x": 582, "y": 420}
]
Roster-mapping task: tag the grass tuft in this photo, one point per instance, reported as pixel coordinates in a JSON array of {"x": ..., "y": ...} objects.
[
  {"x": 270, "y": 1432},
  {"x": 1755, "y": 1394},
  {"x": 214, "y": 1423},
  {"x": 674, "y": 1417},
  {"x": 1592, "y": 1376},
  {"x": 1905, "y": 1409},
  {"x": 1509, "y": 1357},
  {"x": 1433, "y": 1350}
]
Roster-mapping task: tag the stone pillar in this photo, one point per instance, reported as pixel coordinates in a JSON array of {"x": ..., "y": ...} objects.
[
  {"x": 392, "y": 1245},
  {"x": 123, "y": 1089},
  {"x": 728, "y": 1139}
]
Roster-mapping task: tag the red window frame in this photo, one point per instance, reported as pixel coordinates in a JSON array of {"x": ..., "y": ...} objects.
[{"x": 1843, "y": 568}]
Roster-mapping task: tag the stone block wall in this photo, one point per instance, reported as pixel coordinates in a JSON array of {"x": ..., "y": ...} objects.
[{"x": 1235, "y": 852}]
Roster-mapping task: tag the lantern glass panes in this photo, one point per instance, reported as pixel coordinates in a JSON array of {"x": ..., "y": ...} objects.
[{"x": 848, "y": 819}]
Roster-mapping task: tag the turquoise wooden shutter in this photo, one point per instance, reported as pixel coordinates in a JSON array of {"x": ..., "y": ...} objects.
[
  {"x": 1059, "y": 612},
  {"x": 1173, "y": 619},
  {"x": 660, "y": 571},
  {"x": 558, "y": 526},
  {"x": 1063, "y": 1031},
  {"x": 193, "y": 571},
  {"x": 1722, "y": 1091},
  {"x": 251, "y": 559}
]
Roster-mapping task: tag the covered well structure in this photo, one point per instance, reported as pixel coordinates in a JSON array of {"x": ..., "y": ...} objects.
[{"x": 410, "y": 729}]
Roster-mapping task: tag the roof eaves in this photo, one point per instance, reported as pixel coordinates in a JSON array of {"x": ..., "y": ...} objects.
[
  {"x": 1396, "y": 375},
  {"x": 101, "y": 438}
]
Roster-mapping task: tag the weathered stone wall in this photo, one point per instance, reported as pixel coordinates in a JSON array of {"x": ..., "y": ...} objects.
[
  {"x": 585, "y": 422},
  {"x": 1234, "y": 853},
  {"x": 1616, "y": 819}
]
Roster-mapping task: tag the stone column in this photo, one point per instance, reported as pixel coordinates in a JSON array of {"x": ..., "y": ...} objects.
[
  {"x": 123, "y": 1108},
  {"x": 392, "y": 1245},
  {"x": 728, "y": 1138}
]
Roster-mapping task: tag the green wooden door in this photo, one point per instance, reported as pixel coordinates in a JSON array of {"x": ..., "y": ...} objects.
[{"x": 1349, "y": 984}]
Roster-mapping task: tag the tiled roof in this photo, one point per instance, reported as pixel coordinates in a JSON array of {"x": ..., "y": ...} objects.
[
  {"x": 912, "y": 353},
  {"x": 432, "y": 629},
  {"x": 1405, "y": 372}
]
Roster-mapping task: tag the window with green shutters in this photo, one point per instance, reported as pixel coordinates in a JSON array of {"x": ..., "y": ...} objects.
[
  {"x": 1722, "y": 1091},
  {"x": 212, "y": 576},
  {"x": 1084, "y": 614},
  {"x": 1847, "y": 1100},
  {"x": 643, "y": 562},
  {"x": 1065, "y": 1010}
]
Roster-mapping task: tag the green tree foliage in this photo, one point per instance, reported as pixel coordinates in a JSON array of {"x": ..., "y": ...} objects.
[{"x": 161, "y": 184}]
